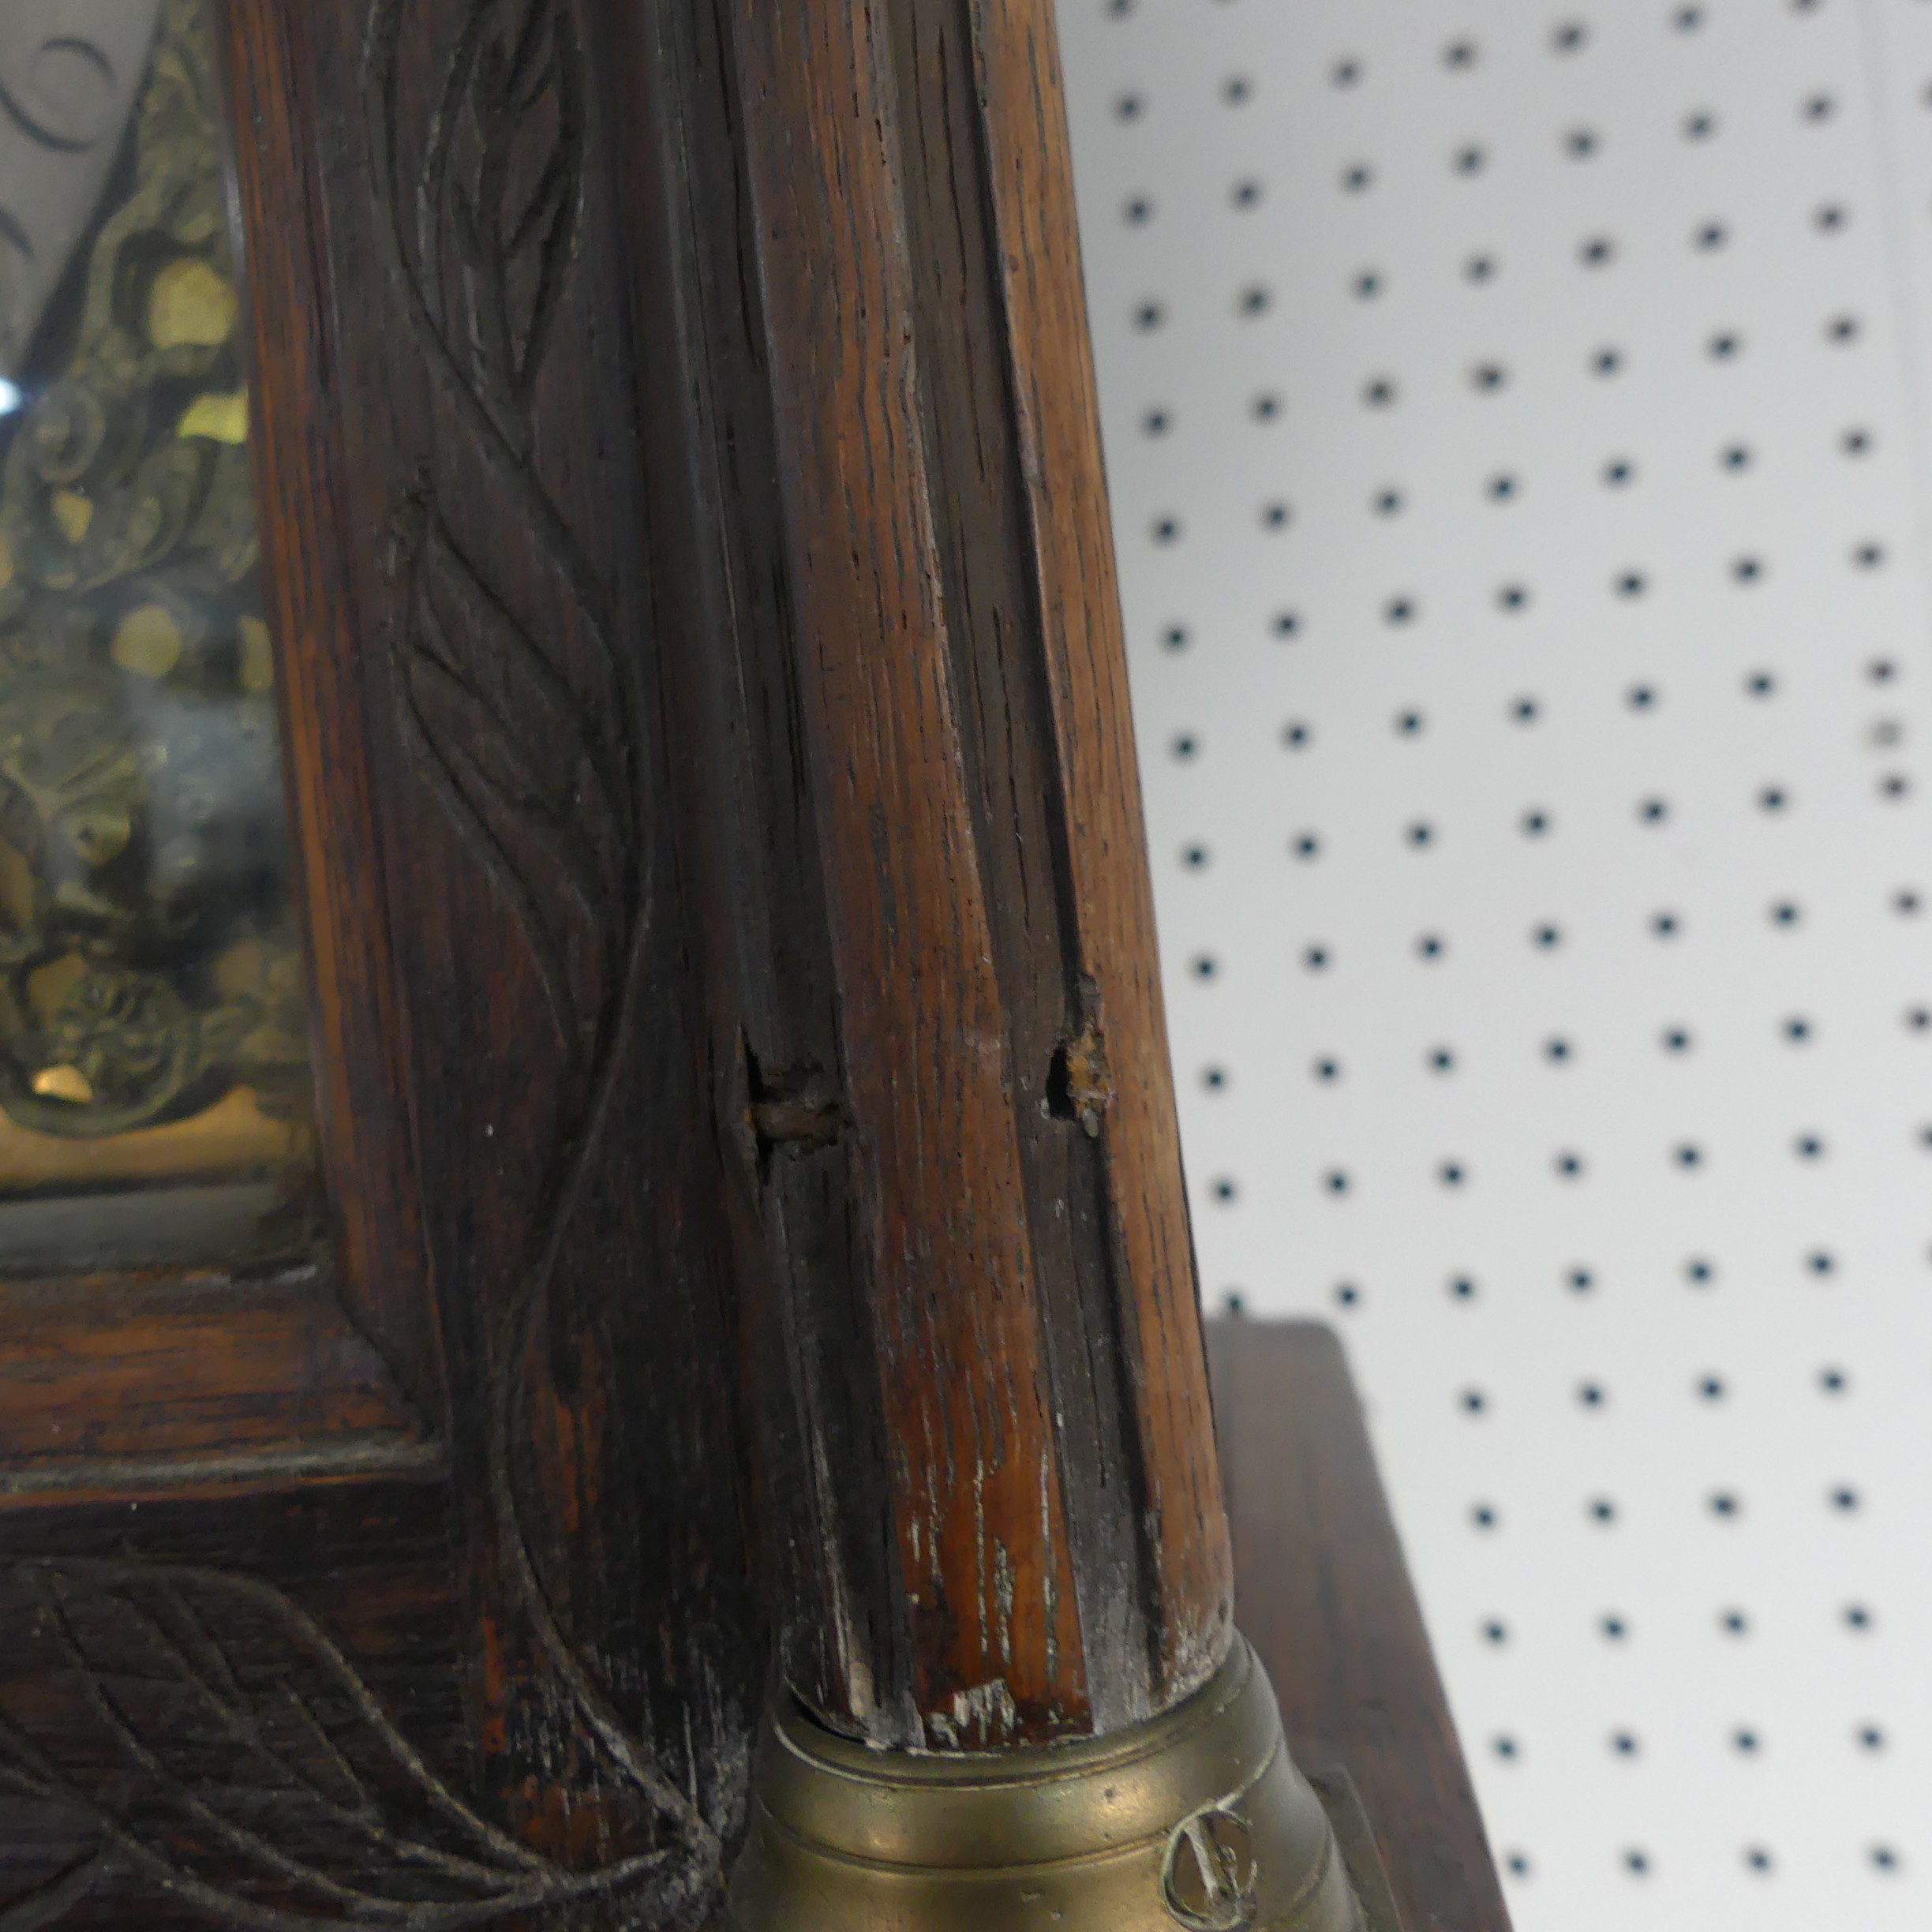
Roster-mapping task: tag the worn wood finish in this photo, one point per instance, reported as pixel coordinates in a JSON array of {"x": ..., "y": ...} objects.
[
  {"x": 1325, "y": 1596},
  {"x": 726, "y": 614},
  {"x": 985, "y": 1570},
  {"x": 975, "y": 1188},
  {"x": 1116, "y": 959}
]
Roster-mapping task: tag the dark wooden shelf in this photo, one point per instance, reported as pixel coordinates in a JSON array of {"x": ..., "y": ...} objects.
[{"x": 1322, "y": 1591}]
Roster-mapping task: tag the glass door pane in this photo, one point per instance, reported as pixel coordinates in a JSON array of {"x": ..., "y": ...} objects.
[{"x": 154, "y": 1096}]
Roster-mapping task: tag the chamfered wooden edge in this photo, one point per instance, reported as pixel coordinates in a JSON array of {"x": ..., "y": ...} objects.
[
  {"x": 1322, "y": 1592},
  {"x": 314, "y": 515},
  {"x": 154, "y": 1382}
]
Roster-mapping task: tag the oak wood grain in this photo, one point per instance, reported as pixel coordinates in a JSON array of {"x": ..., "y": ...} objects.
[
  {"x": 955, "y": 1326},
  {"x": 1110, "y": 913},
  {"x": 307, "y": 529},
  {"x": 186, "y": 1376},
  {"x": 980, "y": 1308}
]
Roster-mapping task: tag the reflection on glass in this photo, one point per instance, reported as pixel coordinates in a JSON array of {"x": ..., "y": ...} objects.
[{"x": 153, "y": 1084}]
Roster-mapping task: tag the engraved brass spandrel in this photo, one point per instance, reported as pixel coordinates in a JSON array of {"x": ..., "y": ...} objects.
[{"x": 153, "y": 1026}]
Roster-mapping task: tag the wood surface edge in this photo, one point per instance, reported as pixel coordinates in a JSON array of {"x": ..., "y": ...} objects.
[{"x": 1323, "y": 1593}]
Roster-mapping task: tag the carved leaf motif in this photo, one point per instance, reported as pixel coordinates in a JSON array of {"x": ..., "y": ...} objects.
[
  {"x": 238, "y": 1759},
  {"x": 497, "y": 193},
  {"x": 527, "y": 767},
  {"x": 525, "y": 735},
  {"x": 522, "y": 708},
  {"x": 510, "y": 216},
  {"x": 226, "y": 1720},
  {"x": 485, "y": 208}
]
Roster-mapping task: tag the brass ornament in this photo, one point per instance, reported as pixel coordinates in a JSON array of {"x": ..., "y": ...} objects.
[{"x": 1197, "y": 1822}]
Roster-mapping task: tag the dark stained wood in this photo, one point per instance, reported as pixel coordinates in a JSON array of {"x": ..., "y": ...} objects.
[
  {"x": 1324, "y": 1595},
  {"x": 986, "y": 1569},
  {"x": 970, "y": 1190},
  {"x": 134, "y": 1385},
  {"x": 297, "y": 406},
  {"x": 526, "y": 1280},
  {"x": 370, "y": 1562},
  {"x": 716, "y": 502},
  {"x": 479, "y": 646}
]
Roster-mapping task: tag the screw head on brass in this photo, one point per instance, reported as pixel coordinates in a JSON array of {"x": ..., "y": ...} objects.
[{"x": 1210, "y": 1874}]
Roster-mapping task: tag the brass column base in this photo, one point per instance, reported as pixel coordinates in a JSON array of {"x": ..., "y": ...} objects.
[{"x": 1198, "y": 1821}]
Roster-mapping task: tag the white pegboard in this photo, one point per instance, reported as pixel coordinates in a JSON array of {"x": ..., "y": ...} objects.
[{"x": 1515, "y": 420}]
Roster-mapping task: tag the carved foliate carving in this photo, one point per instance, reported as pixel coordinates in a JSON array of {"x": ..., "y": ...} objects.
[
  {"x": 250, "y": 1766},
  {"x": 525, "y": 726},
  {"x": 224, "y": 1717}
]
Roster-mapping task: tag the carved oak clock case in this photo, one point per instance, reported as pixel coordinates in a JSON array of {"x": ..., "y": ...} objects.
[{"x": 372, "y": 1543}]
